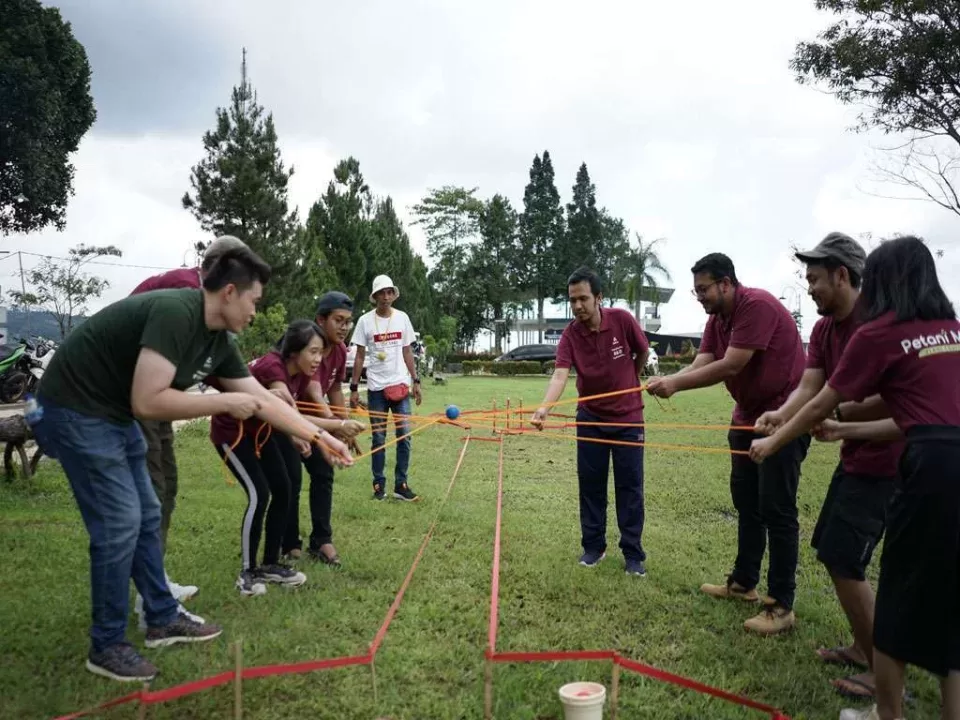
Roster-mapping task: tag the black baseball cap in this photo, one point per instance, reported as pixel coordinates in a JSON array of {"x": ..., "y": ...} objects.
[
  {"x": 334, "y": 300},
  {"x": 838, "y": 247}
]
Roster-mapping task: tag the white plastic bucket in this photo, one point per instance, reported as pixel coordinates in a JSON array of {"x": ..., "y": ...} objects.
[{"x": 583, "y": 700}]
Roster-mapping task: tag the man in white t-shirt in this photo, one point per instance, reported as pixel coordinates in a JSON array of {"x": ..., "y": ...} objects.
[{"x": 387, "y": 335}]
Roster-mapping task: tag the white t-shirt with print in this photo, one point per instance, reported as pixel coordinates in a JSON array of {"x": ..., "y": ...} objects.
[{"x": 384, "y": 340}]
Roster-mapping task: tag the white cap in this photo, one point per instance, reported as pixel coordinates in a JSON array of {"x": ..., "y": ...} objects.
[{"x": 382, "y": 282}]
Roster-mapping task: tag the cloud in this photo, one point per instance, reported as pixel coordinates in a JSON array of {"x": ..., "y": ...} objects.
[{"x": 689, "y": 119}]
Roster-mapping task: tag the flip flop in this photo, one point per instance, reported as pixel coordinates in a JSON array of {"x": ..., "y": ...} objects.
[
  {"x": 840, "y": 656},
  {"x": 868, "y": 692}
]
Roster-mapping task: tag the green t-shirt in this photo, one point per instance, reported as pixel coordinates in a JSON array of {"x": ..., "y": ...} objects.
[{"x": 92, "y": 372}]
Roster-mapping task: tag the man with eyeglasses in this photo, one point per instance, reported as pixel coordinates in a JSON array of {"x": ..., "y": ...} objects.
[
  {"x": 335, "y": 316},
  {"x": 751, "y": 343}
]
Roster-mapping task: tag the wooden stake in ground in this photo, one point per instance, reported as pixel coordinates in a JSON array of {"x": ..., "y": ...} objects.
[
  {"x": 488, "y": 691},
  {"x": 238, "y": 680},
  {"x": 508, "y": 413},
  {"x": 494, "y": 403},
  {"x": 142, "y": 712},
  {"x": 373, "y": 677},
  {"x": 615, "y": 690}
]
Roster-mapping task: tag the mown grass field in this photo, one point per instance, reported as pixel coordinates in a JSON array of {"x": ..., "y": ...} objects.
[{"x": 431, "y": 664}]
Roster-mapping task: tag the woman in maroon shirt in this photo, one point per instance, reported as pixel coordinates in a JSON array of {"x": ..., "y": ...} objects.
[
  {"x": 264, "y": 461},
  {"x": 908, "y": 351}
]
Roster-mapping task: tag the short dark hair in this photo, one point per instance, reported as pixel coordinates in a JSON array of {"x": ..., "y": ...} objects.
[
  {"x": 718, "y": 266},
  {"x": 585, "y": 274},
  {"x": 900, "y": 276},
  {"x": 298, "y": 335},
  {"x": 831, "y": 265},
  {"x": 241, "y": 267}
]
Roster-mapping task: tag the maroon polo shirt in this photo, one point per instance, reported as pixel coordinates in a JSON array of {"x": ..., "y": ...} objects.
[
  {"x": 333, "y": 368},
  {"x": 267, "y": 369},
  {"x": 913, "y": 365},
  {"x": 172, "y": 280},
  {"x": 827, "y": 343},
  {"x": 604, "y": 361},
  {"x": 758, "y": 322}
]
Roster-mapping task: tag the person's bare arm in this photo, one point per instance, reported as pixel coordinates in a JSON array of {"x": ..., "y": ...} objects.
[
  {"x": 314, "y": 395},
  {"x": 640, "y": 362},
  {"x": 152, "y": 398},
  {"x": 558, "y": 381},
  {"x": 338, "y": 405},
  {"x": 358, "y": 364},
  {"x": 885, "y": 430}
]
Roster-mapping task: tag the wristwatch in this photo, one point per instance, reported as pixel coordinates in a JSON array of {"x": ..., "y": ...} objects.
[
  {"x": 836, "y": 414},
  {"x": 416, "y": 381},
  {"x": 354, "y": 387}
]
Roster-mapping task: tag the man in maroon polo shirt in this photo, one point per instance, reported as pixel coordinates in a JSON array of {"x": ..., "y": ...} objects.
[
  {"x": 853, "y": 515},
  {"x": 161, "y": 461},
  {"x": 335, "y": 316},
  {"x": 609, "y": 351},
  {"x": 751, "y": 343}
]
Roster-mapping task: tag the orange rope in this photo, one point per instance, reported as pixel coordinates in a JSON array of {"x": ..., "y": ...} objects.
[{"x": 627, "y": 443}]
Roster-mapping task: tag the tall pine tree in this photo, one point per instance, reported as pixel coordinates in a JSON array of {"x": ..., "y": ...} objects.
[
  {"x": 541, "y": 229},
  {"x": 495, "y": 264},
  {"x": 240, "y": 188},
  {"x": 585, "y": 231}
]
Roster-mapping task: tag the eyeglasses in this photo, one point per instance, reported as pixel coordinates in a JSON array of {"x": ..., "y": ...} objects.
[
  {"x": 699, "y": 292},
  {"x": 348, "y": 323}
]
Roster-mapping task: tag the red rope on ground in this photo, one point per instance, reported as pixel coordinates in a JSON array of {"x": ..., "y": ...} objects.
[
  {"x": 151, "y": 697},
  {"x": 560, "y": 656}
]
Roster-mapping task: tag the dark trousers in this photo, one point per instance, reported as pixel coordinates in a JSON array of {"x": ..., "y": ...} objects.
[
  {"x": 162, "y": 466},
  {"x": 765, "y": 497},
  {"x": 266, "y": 482},
  {"x": 593, "y": 463},
  {"x": 321, "y": 499}
]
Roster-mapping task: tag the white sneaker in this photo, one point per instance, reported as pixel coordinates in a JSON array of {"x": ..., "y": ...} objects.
[{"x": 181, "y": 593}]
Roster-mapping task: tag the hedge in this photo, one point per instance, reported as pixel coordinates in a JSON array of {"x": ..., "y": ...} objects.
[{"x": 517, "y": 367}]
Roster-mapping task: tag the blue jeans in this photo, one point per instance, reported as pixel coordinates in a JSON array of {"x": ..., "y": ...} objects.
[
  {"x": 106, "y": 465},
  {"x": 378, "y": 403}
]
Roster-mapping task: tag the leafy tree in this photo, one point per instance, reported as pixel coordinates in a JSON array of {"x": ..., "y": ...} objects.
[
  {"x": 612, "y": 256},
  {"x": 45, "y": 110},
  {"x": 897, "y": 59},
  {"x": 63, "y": 288},
  {"x": 541, "y": 228},
  {"x": 261, "y": 336},
  {"x": 240, "y": 188},
  {"x": 643, "y": 267},
  {"x": 449, "y": 217},
  {"x": 494, "y": 264},
  {"x": 439, "y": 346}
]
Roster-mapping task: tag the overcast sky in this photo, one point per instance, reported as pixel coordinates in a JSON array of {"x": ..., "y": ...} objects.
[{"x": 688, "y": 118}]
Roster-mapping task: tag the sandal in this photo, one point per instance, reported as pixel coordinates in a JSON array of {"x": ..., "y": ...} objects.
[
  {"x": 318, "y": 554},
  {"x": 840, "y": 656},
  {"x": 854, "y": 688}
]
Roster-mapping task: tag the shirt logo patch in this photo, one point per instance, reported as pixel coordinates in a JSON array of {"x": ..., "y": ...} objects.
[{"x": 616, "y": 349}]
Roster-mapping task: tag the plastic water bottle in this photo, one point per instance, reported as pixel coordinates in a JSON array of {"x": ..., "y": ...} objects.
[{"x": 33, "y": 413}]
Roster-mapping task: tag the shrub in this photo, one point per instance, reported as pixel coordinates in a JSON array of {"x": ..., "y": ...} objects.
[{"x": 521, "y": 367}]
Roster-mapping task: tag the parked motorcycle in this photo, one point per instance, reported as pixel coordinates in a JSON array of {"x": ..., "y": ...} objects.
[{"x": 22, "y": 366}]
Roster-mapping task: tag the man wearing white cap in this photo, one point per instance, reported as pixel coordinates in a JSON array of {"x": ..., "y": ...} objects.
[{"x": 387, "y": 334}]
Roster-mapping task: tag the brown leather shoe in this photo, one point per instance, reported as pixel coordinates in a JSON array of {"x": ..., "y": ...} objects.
[
  {"x": 772, "y": 620},
  {"x": 730, "y": 591}
]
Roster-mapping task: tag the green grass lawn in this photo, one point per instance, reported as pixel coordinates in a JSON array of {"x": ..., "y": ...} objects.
[{"x": 431, "y": 664}]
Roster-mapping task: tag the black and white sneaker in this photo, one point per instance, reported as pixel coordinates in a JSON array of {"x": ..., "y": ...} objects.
[
  {"x": 249, "y": 584},
  {"x": 122, "y": 663},
  {"x": 281, "y": 575},
  {"x": 181, "y": 630},
  {"x": 403, "y": 492}
]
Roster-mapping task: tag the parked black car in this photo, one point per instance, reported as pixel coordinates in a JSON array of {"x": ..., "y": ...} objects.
[{"x": 538, "y": 353}]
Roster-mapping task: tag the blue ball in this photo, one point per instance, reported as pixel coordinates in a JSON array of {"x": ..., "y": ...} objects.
[{"x": 453, "y": 412}]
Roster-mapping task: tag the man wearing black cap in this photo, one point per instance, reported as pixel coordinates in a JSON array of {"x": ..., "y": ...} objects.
[
  {"x": 335, "y": 316},
  {"x": 852, "y": 519}
]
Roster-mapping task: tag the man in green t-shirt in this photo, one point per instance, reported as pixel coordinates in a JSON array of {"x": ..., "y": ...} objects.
[{"x": 136, "y": 358}]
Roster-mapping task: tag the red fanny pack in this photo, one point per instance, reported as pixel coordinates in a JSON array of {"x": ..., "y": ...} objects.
[{"x": 396, "y": 393}]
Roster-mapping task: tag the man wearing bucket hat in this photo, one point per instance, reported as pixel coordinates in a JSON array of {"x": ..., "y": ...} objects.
[
  {"x": 853, "y": 515},
  {"x": 387, "y": 335}
]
